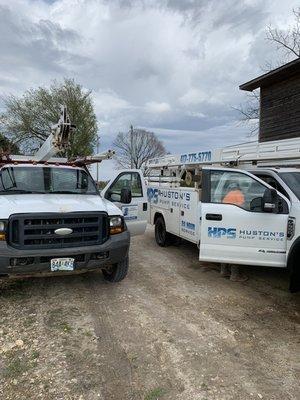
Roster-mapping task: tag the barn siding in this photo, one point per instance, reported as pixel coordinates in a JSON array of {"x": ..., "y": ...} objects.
[{"x": 280, "y": 110}]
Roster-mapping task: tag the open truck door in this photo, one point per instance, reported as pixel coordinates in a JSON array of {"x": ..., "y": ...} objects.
[
  {"x": 244, "y": 221},
  {"x": 128, "y": 192}
]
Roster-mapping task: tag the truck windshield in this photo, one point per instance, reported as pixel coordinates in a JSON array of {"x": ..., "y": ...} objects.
[
  {"x": 23, "y": 179},
  {"x": 292, "y": 179}
]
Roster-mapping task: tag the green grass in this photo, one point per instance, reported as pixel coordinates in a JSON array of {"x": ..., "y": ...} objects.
[
  {"x": 16, "y": 367},
  {"x": 35, "y": 354},
  {"x": 155, "y": 394},
  {"x": 65, "y": 327},
  {"x": 29, "y": 321},
  {"x": 55, "y": 319}
]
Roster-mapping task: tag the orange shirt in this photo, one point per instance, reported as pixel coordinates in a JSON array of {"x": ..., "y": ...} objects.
[{"x": 234, "y": 197}]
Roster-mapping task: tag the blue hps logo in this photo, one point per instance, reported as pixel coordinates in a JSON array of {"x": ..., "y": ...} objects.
[
  {"x": 218, "y": 232},
  {"x": 152, "y": 195}
]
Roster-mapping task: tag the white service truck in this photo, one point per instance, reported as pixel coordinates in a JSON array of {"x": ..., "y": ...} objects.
[
  {"x": 53, "y": 219},
  {"x": 187, "y": 198}
]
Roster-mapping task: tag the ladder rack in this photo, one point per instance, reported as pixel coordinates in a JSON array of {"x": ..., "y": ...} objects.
[
  {"x": 58, "y": 141},
  {"x": 276, "y": 153}
]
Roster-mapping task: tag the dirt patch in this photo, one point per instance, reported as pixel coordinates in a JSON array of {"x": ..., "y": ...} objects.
[{"x": 174, "y": 329}]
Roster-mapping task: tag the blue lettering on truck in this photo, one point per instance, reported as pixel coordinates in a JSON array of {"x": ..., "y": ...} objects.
[
  {"x": 250, "y": 234},
  {"x": 152, "y": 195},
  {"x": 218, "y": 232},
  {"x": 168, "y": 197},
  {"x": 195, "y": 157}
]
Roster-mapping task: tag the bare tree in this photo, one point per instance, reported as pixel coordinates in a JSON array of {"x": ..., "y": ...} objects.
[
  {"x": 287, "y": 44},
  {"x": 287, "y": 41},
  {"x": 136, "y": 147}
]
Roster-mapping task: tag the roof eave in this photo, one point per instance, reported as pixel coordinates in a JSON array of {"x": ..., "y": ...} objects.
[{"x": 284, "y": 72}]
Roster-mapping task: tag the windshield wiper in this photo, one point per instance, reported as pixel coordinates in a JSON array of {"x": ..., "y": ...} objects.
[
  {"x": 63, "y": 192},
  {"x": 21, "y": 191},
  {"x": 68, "y": 192}
]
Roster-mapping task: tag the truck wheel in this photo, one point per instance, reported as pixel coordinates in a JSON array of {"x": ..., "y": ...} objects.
[
  {"x": 162, "y": 237},
  {"x": 294, "y": 286},
  {"x": 117, "y": 272}
]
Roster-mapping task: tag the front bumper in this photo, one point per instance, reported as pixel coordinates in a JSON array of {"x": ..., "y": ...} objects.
[{"x": 86, "y": 258}]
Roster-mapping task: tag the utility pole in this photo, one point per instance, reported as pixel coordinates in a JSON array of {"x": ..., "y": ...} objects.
[
  {"x": 98, "y": 145},
  {"x": 131, "y": 146}
]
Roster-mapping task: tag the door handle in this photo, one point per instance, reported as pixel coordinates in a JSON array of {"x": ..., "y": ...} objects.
[
  {"x": 145, "y": 206},
  {"x": 182, "y": 213},
  {"x": 214, "y": 217}
]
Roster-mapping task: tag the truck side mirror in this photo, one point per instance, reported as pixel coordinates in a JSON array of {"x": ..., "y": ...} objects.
[
  {"x": 256, "y": 204},
  {"x": 270, "y": 201},
  {"x": 126, "y": 196}
]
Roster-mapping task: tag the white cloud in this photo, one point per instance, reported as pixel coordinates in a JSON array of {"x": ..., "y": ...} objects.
[
  {"x": 108, "y": 103},
  {"x": 192, "y": 97},
  {"x": 156, "y": 107},
  {"x": 160, "y": 64}
]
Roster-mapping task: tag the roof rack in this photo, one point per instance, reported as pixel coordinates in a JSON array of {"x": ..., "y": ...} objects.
[
  {"x": 171, "y": 170},
  {"x": 276, "y": 153}
]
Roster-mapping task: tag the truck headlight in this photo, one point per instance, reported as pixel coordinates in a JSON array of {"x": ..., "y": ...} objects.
[
  {"x": 3, "y": 226},
  {"x": 116, "y": 225}
]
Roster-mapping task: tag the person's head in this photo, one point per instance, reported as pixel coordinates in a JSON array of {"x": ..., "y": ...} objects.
[{"x": 233, "y": 186}]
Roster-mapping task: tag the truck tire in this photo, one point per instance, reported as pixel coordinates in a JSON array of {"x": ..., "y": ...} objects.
[
  {"x": 162, "y": 237},
  {"x": 294, "y": 268},
  {"x": 117, "y": 272}
]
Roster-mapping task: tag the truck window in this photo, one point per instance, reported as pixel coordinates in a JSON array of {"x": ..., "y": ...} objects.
[
  {"x": 228, "y": 187},
  {"x": 272, "y": 182},
  {"x": 127, "y": 180},
  {"x": 57, "y": 180},
  {"x": 292, "y": 179}
]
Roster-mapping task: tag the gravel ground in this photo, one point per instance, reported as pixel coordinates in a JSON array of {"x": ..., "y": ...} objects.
[{"x": 173, "y": 329}]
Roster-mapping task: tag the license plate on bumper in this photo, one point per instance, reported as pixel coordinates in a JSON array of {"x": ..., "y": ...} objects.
[{"x": 62, "y": 264}]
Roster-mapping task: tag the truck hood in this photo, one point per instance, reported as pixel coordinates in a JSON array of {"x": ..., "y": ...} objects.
[{"x": 56, "y": 203}]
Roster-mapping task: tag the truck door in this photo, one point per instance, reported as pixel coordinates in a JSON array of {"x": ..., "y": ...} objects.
[
  {"x": 236, "y": 227},
  {"x": 189, "y": 218},
  {"x": 135, "y": 213}
]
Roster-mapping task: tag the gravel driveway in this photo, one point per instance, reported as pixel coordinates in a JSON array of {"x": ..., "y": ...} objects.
[{"x": 173, "y": 329}]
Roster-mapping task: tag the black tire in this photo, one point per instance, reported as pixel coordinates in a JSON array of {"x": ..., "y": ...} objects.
[
  {"x": 117, "y": 272},
  {"x": 162, "y": 237},
  {"x": 294, "y": 286}
]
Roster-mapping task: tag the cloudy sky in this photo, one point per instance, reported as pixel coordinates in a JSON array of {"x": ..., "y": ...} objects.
[{"x": 171, "y": 66}]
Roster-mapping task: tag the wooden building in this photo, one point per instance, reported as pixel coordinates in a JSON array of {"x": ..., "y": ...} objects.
[{"x": 279, "y": 102}]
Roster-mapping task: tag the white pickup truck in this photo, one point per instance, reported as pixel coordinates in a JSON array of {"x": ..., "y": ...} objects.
[
  {"x": 261, "y": 228},
  {"x": 53, "y": 219}
]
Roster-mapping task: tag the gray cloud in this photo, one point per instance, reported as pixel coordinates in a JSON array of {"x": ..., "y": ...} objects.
[
  {"x": 173, "y": 66},
  {"x": 29, "y": 47}
]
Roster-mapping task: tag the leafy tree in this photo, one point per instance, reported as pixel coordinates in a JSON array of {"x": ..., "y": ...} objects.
[
  {"x": 287, "y": 44},
  {"x": 136, "y": 147},
  {"x": 27, "y": 120},
  {"x": 7, "y": 146}
]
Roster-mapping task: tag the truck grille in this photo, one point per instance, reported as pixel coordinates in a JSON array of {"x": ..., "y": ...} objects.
[{"x": 37, "y": 231}]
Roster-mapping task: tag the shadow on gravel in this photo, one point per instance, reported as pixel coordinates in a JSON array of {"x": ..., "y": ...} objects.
[
  {"x": 23, "y": 287},
  {"x": 275, "y": 278}
]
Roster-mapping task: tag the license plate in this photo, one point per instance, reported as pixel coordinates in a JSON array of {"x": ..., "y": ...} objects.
[{"x": 62, "y": 264}]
